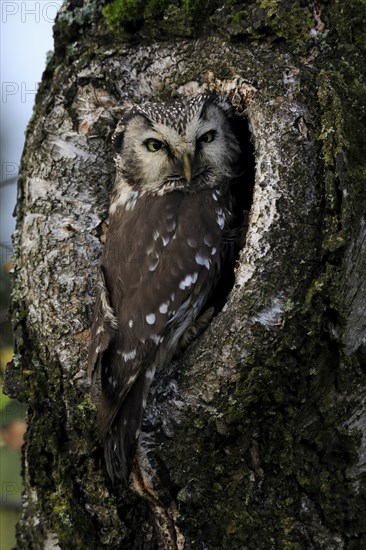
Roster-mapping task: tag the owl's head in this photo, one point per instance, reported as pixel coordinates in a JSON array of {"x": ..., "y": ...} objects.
[{"x": 178, "y": 145}]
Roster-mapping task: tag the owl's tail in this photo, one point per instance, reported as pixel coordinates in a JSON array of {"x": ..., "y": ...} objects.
[{"x": 120, "y": 437}]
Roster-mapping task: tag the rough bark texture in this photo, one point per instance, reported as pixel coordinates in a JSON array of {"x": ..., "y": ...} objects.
[{"x": 262, "y": 423}]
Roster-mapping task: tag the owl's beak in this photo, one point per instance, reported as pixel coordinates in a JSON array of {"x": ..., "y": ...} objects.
[{"x": 187, "y": 169}]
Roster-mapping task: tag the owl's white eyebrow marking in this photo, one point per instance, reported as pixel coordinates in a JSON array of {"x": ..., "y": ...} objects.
[
  {"x": 163, "y": 308},
  {"x": 189, "y": 280},
  {"x": 192, "y": 243},
  {"x": 150, "y": 318},
  {"x": 203, "y": 260}
]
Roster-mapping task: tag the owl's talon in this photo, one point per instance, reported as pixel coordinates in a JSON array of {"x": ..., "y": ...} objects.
[{"x": 195, "y": 330}]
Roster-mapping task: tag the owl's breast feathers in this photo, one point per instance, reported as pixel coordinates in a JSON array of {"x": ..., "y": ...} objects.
[{"x": 161, "y": 261}]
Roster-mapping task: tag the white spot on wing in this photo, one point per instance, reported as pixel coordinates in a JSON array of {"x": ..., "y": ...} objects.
[
  {"x": 150, "y": 318},
  {"x": 163, "y": 308},
  {"x": 203, "y": 260},
  {"x": 220, "y": 220},
  {"x": 128, "y": 356},
  {"x": 188, "y": 280},
  {"x": 153, "y": 264},
  {"x": 130, "y": 323}
]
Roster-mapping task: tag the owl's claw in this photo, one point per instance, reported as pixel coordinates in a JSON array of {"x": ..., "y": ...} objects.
[{"x": 196, "y": 329}]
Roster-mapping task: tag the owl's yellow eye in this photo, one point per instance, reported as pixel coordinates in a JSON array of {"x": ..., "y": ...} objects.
[
  {"x": 154, "y": 145},
  {"x": 208, "y": 137}
]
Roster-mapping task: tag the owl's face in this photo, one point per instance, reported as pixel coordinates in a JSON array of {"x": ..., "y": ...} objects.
[{"x": 180, "y": 145}]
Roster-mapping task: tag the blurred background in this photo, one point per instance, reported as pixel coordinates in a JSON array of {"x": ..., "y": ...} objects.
[{"x": 26, "y": 38}]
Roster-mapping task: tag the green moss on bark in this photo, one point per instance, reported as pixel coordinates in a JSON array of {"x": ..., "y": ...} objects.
[
  {"x": 124, "y": 14},
  {"x": 267, "y": 20},
  {"x": 272, "y": 442},
  {"x": 342, "y": 134}
]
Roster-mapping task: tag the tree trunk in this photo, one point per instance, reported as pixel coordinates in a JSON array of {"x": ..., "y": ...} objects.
[{"x": 261, "y": 423}]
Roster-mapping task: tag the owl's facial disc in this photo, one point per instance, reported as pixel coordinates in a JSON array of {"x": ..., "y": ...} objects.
[
  {"x": 184, "y": 150},
  {"x": 154, "y": 145},
  {"x": 160, "y": 155}
]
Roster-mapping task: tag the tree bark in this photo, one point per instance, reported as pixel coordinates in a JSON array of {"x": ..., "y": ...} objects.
[{"x": 261, "y": 423}]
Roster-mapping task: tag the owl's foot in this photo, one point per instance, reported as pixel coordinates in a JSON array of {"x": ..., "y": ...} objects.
[
  {"x": 145, "y": 482},
  {"x": 196, "y": 329}
]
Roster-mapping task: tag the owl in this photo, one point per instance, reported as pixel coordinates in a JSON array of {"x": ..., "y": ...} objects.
[{"x": 171, "y": 234}]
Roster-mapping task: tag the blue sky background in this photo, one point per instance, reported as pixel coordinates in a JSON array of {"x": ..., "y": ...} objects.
[{"x": 26, "y": 37}]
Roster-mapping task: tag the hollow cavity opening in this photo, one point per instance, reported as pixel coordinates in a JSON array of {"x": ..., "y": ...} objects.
[{"x": 242, "y": 194}]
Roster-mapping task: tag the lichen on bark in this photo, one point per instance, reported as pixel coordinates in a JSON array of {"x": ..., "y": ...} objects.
[{"x": 262, "y": 422}]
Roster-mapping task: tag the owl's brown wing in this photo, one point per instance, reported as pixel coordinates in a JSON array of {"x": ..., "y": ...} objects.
[{"x": 161, "y": 261}]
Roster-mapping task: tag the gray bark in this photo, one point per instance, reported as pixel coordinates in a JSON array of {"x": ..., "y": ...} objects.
[{"x": 261, "y": 423}]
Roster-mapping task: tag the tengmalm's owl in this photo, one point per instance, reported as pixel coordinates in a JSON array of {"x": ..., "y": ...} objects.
[{"x": 169, "y": 237}]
